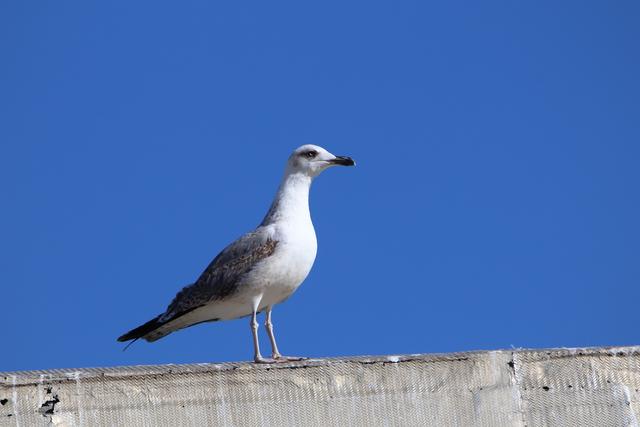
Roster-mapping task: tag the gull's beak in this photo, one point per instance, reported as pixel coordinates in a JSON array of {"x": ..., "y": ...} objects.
[{"x": 343, "y": 161}]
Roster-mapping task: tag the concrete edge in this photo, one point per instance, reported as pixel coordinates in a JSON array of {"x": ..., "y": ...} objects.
[{"x": 34, "y": 377}]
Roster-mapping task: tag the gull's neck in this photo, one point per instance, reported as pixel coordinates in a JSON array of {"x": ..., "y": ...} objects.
[{"x": 291, "y": 203}]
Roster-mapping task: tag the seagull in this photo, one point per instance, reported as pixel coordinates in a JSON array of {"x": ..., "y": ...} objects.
[{"x": 260, "y": 269}]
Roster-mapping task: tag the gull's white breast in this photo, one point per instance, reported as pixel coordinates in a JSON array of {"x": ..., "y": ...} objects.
[{"x": 282, "y": 273}]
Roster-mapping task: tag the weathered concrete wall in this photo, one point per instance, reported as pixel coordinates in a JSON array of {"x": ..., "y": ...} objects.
[{"x": 559, "y": 387}]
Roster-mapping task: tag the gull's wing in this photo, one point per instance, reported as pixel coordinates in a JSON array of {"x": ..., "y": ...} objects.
[
  {"x": 224, "y": 274},
  {"x": 222, "y": 278}
]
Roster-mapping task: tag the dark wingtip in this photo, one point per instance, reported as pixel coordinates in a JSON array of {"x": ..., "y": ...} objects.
[{"x": 141, "y": 330}]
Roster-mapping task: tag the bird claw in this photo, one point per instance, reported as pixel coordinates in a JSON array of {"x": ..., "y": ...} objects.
[{"x": 277, "y": 358}]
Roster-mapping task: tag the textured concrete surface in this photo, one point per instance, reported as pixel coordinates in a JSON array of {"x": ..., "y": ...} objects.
[{"x": 555, "y": 387}]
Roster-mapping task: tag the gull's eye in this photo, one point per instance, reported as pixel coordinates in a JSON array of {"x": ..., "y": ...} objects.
[{"x": 310, "y": 154}]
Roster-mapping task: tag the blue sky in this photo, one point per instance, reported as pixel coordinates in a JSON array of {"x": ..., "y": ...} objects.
[{"x": 495, "y": 202}]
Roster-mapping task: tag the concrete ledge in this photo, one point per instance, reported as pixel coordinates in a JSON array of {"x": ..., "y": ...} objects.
[{"x": 585, "y": 387}]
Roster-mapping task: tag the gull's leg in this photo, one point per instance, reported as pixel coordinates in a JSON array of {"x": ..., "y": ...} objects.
[
  {"x": 275, "y": 354},
  {"x": 257, "y": 357},
  {"x": 269, "y": 326}
]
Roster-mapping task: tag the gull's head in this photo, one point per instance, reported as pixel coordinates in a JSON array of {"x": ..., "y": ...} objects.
[{"x": 312, "y": 159}]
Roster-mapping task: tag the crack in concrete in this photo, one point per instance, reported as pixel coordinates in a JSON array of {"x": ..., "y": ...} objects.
[
  {"x": 513, "y": 373},
  {"x": 48, "y": 408}
]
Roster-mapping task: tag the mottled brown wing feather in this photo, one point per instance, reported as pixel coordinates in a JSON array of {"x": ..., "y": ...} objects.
[{"x": 224, "y": 274}]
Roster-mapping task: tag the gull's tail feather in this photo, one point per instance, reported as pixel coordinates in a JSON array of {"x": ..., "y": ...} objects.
[{"x": 144, "y": 331}]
